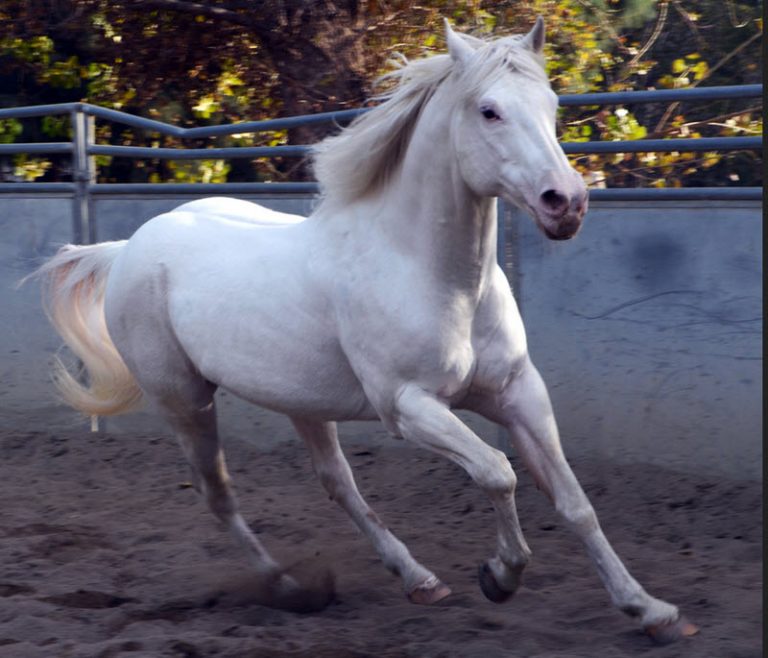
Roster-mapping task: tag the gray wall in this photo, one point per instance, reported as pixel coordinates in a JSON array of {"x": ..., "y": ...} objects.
[{"x": 647, "y": 328}]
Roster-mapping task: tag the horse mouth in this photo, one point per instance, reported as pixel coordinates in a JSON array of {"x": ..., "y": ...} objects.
[
  {"x": 565, "y": 230},
  {"x": 558, "y": 236}
]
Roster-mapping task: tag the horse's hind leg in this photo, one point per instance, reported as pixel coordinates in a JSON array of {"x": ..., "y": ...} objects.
[
  {"x": 336, "y": 476},
  {"x": 192, "y": 417},
  {"x": 138, "y": 322},
  {"x": 186, "y": 401},
  {"x": 194, "y": 426}
]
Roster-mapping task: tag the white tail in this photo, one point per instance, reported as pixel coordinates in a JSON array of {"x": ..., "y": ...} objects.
[{"x": 74, "y": 281}]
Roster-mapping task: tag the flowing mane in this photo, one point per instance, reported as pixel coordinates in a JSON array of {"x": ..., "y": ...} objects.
[{"x": 363, "y": 156}]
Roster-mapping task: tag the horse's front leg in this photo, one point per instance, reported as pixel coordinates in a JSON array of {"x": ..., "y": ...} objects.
[
  {"x": 429, "y": 423},
  {"x": 524, "y": 408}
]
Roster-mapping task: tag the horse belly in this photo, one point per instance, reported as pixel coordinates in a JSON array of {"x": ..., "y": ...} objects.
[
  {"x": 271, "y": 342},
  {"x": 298, "y": 378}
]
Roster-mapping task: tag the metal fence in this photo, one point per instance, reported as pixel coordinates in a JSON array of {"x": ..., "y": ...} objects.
[{"x": 82, "y": 149}]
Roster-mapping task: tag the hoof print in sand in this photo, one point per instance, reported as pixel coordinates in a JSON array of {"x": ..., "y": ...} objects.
[
  {"x": 12, "y": 589},
  {"x": 87, "y": 599}
]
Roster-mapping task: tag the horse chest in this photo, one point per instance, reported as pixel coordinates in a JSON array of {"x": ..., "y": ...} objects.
[{"x": 411, "y": 339}]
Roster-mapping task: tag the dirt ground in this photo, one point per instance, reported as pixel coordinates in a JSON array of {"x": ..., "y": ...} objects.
[{"x": 106, "y": 552}]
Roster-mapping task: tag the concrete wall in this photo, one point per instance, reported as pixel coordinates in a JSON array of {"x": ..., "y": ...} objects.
[{"x": 647, "y": 328}]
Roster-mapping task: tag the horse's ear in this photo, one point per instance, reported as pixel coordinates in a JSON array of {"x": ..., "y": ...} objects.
[
  {"x": 535, "y": 38},
  {"x": 459, "y": 50}
]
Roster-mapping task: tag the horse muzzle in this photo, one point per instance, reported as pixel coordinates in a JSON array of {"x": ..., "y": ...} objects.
[{"x": 559, "y": 215}]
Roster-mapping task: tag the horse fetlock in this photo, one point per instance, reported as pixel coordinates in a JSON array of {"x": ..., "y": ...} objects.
[
  {"x": 413, "y": 575},
  {"x": 518, "y": 559},
  {"x": 658, "y": 613},
  {"x": 648, "y": 610},
  {"x": 510, "y": 570},
  {"x": 429, "y": 591},
  {"x": 497, "y": 581}
]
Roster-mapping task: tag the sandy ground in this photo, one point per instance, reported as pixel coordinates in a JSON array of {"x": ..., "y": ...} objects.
[{"x": 106, "y": 552}]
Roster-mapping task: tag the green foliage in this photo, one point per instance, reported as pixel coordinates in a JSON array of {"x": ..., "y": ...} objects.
[
  {"x": 28, "y": 168},
  {"x": 56, "y": 127},
  {"x": 612, "y": 45},
  {"x": 62, "y": 74},
  {"x": 196, "y": 171},
  {"x": 637, "y": 13},
  {"x": 10, "y": 129},
  {"x": 34, "y": 50},
  {"x": 181, "y": 63}
]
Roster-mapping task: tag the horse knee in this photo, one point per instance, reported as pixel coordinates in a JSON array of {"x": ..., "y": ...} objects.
[
  {"x": 578, "y": 514},
  {"x": 496, "y": 475}
]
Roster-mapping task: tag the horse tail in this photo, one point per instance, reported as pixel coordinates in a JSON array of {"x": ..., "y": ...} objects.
[{"x": 74, "y": 283}]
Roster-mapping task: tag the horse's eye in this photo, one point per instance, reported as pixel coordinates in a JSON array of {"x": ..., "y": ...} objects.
[{"x": 490, "y": 114}]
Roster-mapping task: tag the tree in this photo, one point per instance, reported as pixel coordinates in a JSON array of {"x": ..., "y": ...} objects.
[{"x": 194, "y": 62}]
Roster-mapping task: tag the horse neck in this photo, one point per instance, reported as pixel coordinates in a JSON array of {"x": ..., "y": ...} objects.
[{"x": 428, "y": 209}]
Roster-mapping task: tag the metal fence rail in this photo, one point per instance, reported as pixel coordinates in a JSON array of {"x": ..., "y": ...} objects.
[{"x": 83, "y": 148}]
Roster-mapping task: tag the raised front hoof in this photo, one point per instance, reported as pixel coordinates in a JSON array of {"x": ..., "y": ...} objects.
[
  {"x": 672, "y": 632},
  {"x": 429, "y": 592},
  {"x": 491, "y": 589}
]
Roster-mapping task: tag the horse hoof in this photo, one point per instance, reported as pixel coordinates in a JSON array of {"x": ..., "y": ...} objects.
[
  {"x": 429, "y": 592},
  {"x": 490, "y": 587},
  {"x": 672, "y": 632}
]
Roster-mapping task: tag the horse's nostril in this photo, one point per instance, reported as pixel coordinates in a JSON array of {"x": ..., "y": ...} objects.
[{"x": 554, "y": 200}]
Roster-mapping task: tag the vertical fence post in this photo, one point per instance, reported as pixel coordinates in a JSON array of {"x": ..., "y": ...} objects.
[{"x": 83, "y": 175}]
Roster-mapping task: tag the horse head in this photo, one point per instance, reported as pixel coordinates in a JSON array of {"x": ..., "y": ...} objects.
[{"x": 503, "y": 130}]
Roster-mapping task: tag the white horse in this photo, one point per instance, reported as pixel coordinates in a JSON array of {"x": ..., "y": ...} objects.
[{"x": 386, "y": 303}]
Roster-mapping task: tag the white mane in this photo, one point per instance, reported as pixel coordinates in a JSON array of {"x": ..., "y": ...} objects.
[{"x": 363, "y": 156}]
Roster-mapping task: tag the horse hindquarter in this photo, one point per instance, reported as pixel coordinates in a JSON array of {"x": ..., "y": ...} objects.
[{"x": 234, "y": 302}]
